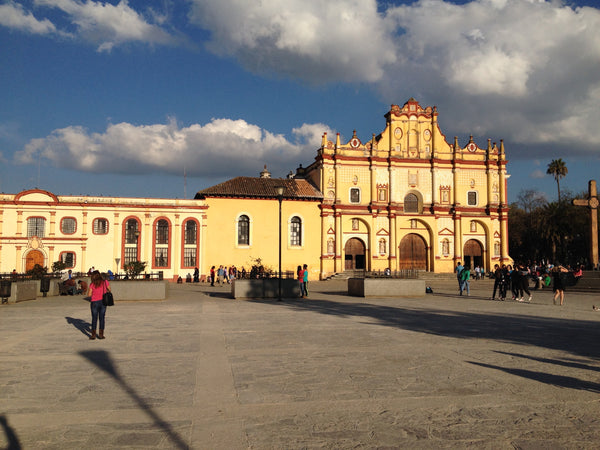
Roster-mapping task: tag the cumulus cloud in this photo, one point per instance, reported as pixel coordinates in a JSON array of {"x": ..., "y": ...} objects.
[
  {"x": 526, "y": 70},
  {"x": 212, "y": 149},
  {"x": 100, "y": 23},
  {"x": 13, "y": 15},
  {"x": 337, "y": 40}
]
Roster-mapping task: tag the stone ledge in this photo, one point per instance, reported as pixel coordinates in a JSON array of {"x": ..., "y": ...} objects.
[
  {"x": 385, "y": 287},
  {"x": 265, "y": 288}
]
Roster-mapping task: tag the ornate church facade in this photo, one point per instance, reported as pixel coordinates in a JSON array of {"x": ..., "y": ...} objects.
[{"x": 405, "y": 199}]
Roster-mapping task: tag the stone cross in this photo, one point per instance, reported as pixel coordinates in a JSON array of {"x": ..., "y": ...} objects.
[{"x": 592, "y": 203}]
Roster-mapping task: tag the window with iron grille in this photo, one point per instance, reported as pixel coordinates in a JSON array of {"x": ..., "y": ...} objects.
[
  {"x": 162, "y": 232},
  {"x": 68, "y": 225},
  {"x": 354, "y": 195},
  {"x": 161, "y": 257},
  {"x": 36, "y": 226},
  {"x": 296, "y": 231},
  {"x": 472, "y": 198},
  {"x": 190, "y": 232},
  {"x": 100, "y": 226},
  {"x": 411, "y": 203},
  {"x": 244, "y": 230},
  {"x": 130, "y": 255},
  {"x": 131, "y": 227},
  {"x": 68, "y": 258},
  {"x": 189, "y": 257}
]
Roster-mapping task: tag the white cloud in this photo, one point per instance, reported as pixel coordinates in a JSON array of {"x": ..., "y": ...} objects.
[
  {"x": 526, "y": 70},
  {"x": 337, "y": 40},
  {"x": 204, "y": 150},
  {"x": 13, "y": 15},
  {"x": 102, "y": 24},
  {"x": 109, "y": 25}
]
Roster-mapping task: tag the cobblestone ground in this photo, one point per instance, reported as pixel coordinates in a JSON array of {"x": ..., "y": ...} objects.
[{"x": 201, "y": 370}]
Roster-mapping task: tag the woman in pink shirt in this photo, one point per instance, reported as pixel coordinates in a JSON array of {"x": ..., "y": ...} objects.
[{"x": 98, "y": 287}]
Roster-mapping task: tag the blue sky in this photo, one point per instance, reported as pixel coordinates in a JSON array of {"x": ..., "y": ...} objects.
[{"x": 120, "y": 98}]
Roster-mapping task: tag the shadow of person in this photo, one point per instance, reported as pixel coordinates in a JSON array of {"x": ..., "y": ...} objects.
[
  {"x": 82, "y": 325},
  {"x": 11, "y": 437},
  {"x": 103, "y": 361}
]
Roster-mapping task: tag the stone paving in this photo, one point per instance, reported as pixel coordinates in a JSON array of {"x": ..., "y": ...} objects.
[{"x": 203, "y": 371}]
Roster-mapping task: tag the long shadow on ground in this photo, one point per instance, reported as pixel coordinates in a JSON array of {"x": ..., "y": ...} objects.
[{"x": 578, "y": 337}]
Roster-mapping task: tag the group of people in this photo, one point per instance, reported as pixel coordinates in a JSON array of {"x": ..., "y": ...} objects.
[
  {"x": 302, "y": 273},
  {"x": 514, "y": 278},
  {"x": 225, "y": 274},
  {"x": 68, "y": 285}
]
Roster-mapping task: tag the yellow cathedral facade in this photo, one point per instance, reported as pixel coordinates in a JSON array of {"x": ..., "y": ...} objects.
[{"x": 405, "y": 199}]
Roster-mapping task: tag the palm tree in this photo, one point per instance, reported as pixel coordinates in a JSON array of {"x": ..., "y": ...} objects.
[{"x": 558, "y": 169}]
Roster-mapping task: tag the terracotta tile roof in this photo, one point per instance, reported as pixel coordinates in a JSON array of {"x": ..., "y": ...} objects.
[{"x": 251, "y": 187}]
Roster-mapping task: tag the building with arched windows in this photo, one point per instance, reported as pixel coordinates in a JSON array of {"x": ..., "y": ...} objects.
[{"x": 406, "y": 198}]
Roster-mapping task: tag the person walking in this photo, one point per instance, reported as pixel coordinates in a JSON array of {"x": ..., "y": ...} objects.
[
  {"x": 458, "y": 270},
  {"x": 465, "y": 276},
  {"x": 98, "y": 286},
  {"x": 212, "y": 276},
  {"x": 558, "y": 284},
  {"x": 305, "y": 279},
  {"x": 497, "y": 281},
  {"x": 300, "y": 274}
]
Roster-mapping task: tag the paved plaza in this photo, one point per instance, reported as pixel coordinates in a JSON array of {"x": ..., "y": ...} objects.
[{"x": 203, "y": 371}]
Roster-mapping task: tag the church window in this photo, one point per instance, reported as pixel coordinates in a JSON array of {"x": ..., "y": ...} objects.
[
  {"x": 68, "y": 258},
  {"x": 411, "y": 203},
  {"x": 354, "y": 195},
  {"x": 296, "y": 231},
  {"x": 100, "y": 226},
  {"x": 161, "y": 243},
  {"x": 472, "y": 199},
  {"x": 36, "y": 227},
  {"x": 68, "y": 225},
  {"x": 243, "y": 230}
]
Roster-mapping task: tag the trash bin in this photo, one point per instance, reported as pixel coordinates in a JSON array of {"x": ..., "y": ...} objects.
[
  {"x": 45, "y": 285},
  {"x": 5, "y": 286}
]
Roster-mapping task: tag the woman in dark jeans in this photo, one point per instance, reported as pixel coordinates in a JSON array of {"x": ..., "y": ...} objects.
[{"x": 98, "y": 286}]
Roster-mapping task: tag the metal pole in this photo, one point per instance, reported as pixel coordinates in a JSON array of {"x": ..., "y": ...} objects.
[{"x": 280, "y": 198}]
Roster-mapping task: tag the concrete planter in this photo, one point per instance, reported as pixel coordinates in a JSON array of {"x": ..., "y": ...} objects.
[
  {"x": 385, "y": 287},
  {"x": 23, "y": 290},
  {"x": 139, "y": 290},
  {"x": 265, "y": 288}
]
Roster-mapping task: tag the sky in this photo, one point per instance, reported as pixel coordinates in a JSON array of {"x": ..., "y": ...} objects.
[{"x": 162, "y": 98}]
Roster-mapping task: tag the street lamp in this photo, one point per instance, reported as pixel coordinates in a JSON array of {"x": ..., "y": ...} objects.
[{"x": 280, "y": 190}]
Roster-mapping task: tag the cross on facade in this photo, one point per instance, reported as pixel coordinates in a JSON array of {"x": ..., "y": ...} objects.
[{"x": 592, "y": 203}]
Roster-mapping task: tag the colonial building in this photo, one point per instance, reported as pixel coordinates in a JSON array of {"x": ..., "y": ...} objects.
[
  {"x": 38, "y": 227},
  {"x": 406, "y": 198}
]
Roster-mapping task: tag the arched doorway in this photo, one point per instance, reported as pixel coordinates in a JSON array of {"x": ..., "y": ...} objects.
[
  {"x": 354, "y": 254},
  {"x": 32, "y": 258},
  {"x": 473, "y": 252},
  {"x": 413, "y": 253}
]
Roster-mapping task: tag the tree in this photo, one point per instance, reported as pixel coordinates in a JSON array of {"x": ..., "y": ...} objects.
[
  {"x": 558, "y": 169},
  {"x": 134, "y": 268},
  {"x": 58, "y": 266}
]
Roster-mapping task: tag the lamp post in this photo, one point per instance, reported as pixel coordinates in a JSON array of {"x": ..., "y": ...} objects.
[{"x": 280, "y": 190}]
